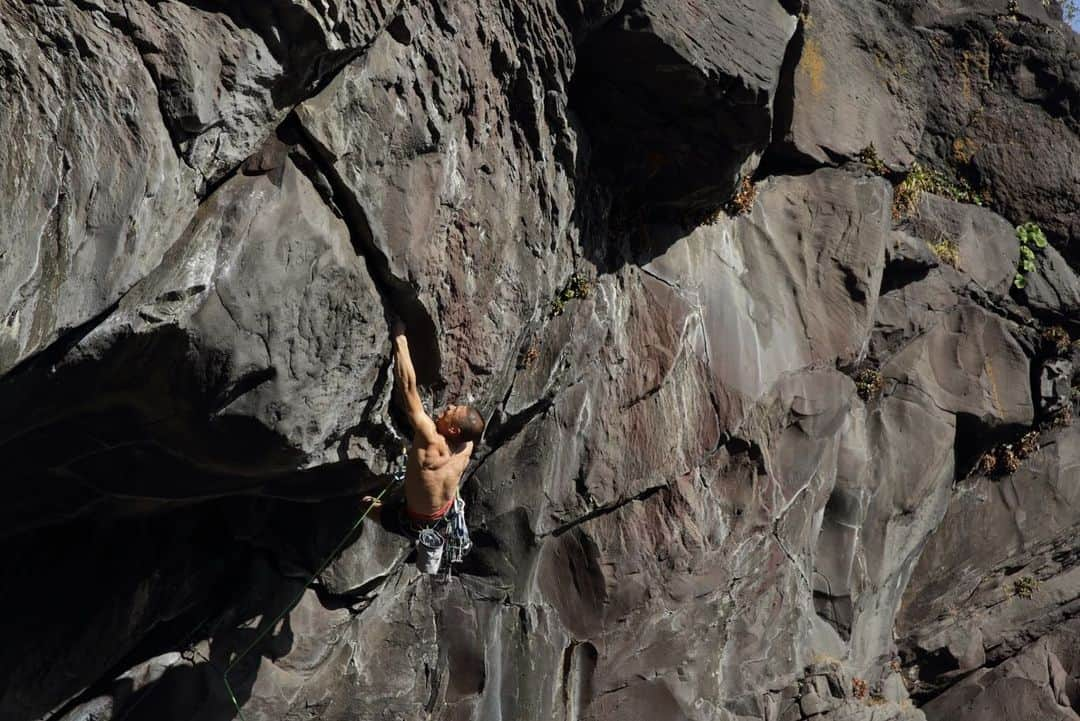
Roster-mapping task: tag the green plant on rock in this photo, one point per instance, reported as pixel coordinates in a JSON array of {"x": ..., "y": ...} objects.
[
  {"x": 869, "y": 156},
  {"x": 869, "y": 383},
  {"x": 1008, "y": 458},
  {"x": 946, "y": 250},
  {"x": 1031, "y": 238},
  {"x": 1025, "y": 586},
  {"x": 577, "y": 286},
  {"x": 1056, "y": 340},
  {"x": 1028, "y": 445},
  {"x": 921, "y": 179},
  {"x": 1005, "y": 458}
]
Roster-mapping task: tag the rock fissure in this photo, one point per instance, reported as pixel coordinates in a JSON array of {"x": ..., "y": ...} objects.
[
  {"x": 603, "y": 511},
  {"x": 121, "y": 22},
  {"x": 397, "y": 293},
  {"x": 216, "y": 211}
]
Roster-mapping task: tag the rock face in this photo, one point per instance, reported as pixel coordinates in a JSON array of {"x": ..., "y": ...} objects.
[{"x": 772, "y": 435}]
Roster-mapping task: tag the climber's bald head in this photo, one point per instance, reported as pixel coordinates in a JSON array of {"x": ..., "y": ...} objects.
[{"x": 460, "y": 424}]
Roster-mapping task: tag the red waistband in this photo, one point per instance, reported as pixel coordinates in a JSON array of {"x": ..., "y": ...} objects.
[{"x": 414, "y": 516}]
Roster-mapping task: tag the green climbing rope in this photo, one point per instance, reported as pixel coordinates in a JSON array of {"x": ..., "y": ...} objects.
[{"x": 398, "y": 477}]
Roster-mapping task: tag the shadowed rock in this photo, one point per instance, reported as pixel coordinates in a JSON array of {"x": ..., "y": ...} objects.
[
  {"x": 737, "y": 456},
  {"x": 677, "y": 99}
]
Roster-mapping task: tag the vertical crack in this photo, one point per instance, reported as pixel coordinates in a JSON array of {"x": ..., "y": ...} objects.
[{"x": 397, "y": 294}]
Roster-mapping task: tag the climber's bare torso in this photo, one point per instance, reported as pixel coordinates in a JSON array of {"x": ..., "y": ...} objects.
[
  {"x": 436, "y": 462},
  {"x": 433, "y": 473}
]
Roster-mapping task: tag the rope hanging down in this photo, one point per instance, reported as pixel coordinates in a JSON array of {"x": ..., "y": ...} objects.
[{"x": 397, "y": 477}]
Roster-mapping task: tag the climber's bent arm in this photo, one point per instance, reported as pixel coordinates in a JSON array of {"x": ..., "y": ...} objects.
[{"x": 406, "y": 382}]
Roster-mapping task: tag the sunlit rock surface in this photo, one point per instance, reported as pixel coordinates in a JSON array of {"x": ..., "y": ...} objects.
[{"x": 796, "y": 447}]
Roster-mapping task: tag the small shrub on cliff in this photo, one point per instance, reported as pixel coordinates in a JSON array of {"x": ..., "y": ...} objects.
[
  {"x": 859, "y": 688},
  {"x": 1062, "y": 419},
  {"x": 1025, "y": 586},
  {"x": 577, "y": 286},
  {"x": 999, "y": 42},
  {"x": 869, "y": 383},
  {"x": 921, "y": 179},
  {"x": 1031, "y": 238},
  {"x": 946, "y": 250},
  {"x": 987, "y": 463},
  {"x": 1056, "y": 340},
  {"x": 1008, "y": 460},
  {"x": 908, "y": 192},
  {"x": 869, "y": 156},
  {"x": 1005, "y": 458},
  {"x": 744, "y": 198}
]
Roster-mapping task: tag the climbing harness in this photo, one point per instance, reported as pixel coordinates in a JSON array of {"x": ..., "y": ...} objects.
[
  {"x": 457, "y": 533},
  {"x": 444, "y": 542}
]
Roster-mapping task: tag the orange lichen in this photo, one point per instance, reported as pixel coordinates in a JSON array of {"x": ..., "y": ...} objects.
[
  {"x": 963, "y": 150},
  {"x": 973, "y": 66},
  {"x": 528, "y": 357},
  {"x": 812, "y": 66}
]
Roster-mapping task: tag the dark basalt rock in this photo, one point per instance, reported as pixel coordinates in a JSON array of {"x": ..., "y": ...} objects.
[
  {"x": 790, "y": 450},
  {"x": 676, "y": 100}
]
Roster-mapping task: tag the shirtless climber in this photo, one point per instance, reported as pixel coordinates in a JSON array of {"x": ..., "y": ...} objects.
[{"x": 439, "y": 454}]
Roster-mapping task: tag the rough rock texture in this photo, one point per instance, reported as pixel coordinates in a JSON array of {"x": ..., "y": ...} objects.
[{"x": 795, "y": 447}]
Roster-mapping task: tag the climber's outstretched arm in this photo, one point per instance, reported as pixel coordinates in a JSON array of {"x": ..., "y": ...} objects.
[{"x": 405, "y": 375}]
